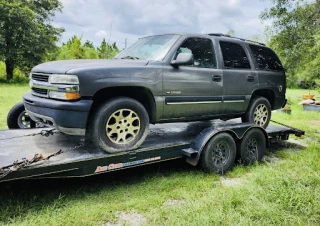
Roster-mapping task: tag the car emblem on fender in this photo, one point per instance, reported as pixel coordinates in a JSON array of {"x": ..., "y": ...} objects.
[{"x": 280, "y": 88}]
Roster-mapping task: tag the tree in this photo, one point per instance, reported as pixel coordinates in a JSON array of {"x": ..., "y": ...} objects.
[
  {"x": 294, "y": 35},
  {"x": 26, "y": 33},
  {"x": 74, "y": 49},
  {"x": 107, "y": 51},
  {"x": 88, "y": 44},
  {"x": 231, "y": 33},
  {"x": 103, "y": 49}
]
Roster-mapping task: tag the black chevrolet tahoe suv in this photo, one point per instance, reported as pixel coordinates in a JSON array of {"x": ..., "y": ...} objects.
[{"x": 159, "y": 79}]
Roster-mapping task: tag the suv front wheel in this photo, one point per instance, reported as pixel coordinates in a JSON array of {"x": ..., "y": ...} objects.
[
  {"x": 120, "y": 124},
  {"x": 258, "y": 112}
]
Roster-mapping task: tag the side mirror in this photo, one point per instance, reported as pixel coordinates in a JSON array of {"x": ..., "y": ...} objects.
[{"x": 183, "y": 59}]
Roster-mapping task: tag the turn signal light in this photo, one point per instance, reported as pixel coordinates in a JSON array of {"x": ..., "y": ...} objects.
[{"x": 72, "y": 96}]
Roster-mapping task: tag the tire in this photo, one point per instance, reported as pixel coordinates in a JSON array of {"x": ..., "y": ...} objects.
[
  {"x": 258, "y": 112},
  {"x": 111, "y": 124},
  {"x": 18, "y": 118},
  {"x": 252, "y": 146},
  {"x": 219, "y": 154}
]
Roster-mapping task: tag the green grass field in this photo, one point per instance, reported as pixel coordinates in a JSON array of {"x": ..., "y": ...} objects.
[{"x": 283, "y": 190}]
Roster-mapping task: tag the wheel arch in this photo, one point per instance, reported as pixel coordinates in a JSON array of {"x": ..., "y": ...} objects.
[
  {"x": 266, "y": 93},
  {"x": 139, "y": 93}
]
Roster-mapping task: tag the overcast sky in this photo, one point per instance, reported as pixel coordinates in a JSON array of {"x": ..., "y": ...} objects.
[{"x": 132, "y": 19}]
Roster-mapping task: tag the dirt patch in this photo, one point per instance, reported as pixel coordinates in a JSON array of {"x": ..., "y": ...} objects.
[
  {"x": 315, "y": 123},
  {"x": 300, "y": 143},
  {"x": 173, "y": 202},
  {"x": 132, "y": 218},
  {"x": 228, "y": 182},
  {"x": 271, "y": 159}
]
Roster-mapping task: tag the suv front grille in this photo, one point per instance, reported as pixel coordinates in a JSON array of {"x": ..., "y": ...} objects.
[
  {"x": 42, "y": 92},
  {"x": 40, "y": 77}
]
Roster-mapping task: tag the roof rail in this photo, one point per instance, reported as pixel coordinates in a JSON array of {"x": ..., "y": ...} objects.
[
  {"x": 219, "y": 34},
  {"x": 242, "y": 39}
]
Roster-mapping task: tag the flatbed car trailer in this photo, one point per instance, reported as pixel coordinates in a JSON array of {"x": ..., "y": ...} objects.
[{"x": 45, "y": 153}]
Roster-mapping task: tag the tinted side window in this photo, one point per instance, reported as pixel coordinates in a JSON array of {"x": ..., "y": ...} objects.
[
  {"x": 266, "y": 58},
  {"x": 202, "y": 50},
  {"x": 234, "y": 55}
]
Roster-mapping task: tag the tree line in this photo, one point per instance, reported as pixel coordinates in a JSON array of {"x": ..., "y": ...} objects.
[
  {"x": 295, "y": 37},
  {"x": 27, "y": 36}
]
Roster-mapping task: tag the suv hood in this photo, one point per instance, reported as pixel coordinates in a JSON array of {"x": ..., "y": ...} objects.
[{"x": 63, "y": 66}]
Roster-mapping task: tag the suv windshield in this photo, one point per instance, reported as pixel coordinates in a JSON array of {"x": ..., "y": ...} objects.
[{"x": 149, "y": 48}]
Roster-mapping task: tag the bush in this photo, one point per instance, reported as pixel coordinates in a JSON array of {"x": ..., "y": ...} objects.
[{"x": 18, "y": 76}]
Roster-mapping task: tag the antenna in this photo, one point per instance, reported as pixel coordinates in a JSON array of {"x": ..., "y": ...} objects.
[{"x": 109, "y": 41}]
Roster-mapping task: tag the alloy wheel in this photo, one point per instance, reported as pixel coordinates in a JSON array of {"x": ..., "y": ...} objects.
[
  {"x": 261, "y": 115},
  {"x": 123, "y": 126}
]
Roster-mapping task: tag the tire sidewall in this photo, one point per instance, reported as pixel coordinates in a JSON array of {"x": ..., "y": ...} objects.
[
  {"x": 13, "y": 116},
  {"x": 255, "y": 103},
  {"x": 207, "y": 161},
  {"x": 261, "y": 146},
  {"x": 99, "y": 129}
]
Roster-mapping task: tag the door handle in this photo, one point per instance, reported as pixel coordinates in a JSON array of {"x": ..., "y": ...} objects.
[
  {"x": 216, "y": 78},
  {"x": 250, "y": 78}
]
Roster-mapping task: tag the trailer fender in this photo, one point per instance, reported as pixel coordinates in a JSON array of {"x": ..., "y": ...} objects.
[{"x": 236, "y": 131}]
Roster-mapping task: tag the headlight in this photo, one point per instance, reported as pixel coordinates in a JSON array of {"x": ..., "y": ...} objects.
[
  {"x": 64, "y": 95},
  {"x": 63, "y": 79}
]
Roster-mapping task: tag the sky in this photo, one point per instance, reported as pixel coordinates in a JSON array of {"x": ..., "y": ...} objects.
[{"x": 121, "y": 20}]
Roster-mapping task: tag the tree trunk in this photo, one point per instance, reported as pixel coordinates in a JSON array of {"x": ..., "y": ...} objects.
[{"x": 9, "y": 69}]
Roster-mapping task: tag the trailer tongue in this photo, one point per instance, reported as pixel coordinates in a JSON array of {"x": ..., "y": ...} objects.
[{"x": 38, "y": 153}]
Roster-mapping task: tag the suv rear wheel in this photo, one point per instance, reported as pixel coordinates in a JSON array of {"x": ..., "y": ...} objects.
[
  {"x": 120, "y": 124},
  {"x": 258, "y": 112}
]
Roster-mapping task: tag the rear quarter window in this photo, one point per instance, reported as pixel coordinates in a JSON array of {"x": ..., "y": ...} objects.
[{"x": 265, "y": 58}]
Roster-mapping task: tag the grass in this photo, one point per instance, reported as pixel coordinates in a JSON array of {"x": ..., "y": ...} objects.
[
  {"x": 10, "y": 94},
  {"x": 284, "y": 192}
]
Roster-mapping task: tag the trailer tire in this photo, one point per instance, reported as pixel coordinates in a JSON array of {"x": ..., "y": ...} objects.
[
  {"x": 219, "y": 154},
  {"x": 18, "y": 118},
  {"x": 252, "y": 146},
  {"x": 258, "y": 112},
  {"x": 120, "y": 124}
]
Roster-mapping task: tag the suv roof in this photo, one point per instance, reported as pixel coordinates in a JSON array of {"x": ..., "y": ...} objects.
[
  {"x": 224, "y": 36},
  {"x": 228, "y": 36}
]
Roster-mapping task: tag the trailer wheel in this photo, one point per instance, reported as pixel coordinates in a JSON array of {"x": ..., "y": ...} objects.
[
  {"x": 18, "y": 118},
  {"x": 258, "y": 112},
  {"x": 252, "y": 146},
  {"x": 219, "y": 154},
  {"x": 120, "y": 124}
]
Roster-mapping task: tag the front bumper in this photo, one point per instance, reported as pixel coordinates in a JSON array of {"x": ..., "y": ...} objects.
[{"x": 68, "y": 117}]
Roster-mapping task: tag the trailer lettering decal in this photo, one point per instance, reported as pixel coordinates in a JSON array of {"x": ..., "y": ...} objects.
[{"x": 114, "y": 166}]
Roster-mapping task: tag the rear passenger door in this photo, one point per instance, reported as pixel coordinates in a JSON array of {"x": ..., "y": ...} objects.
[{"x": 238, "y": 79}]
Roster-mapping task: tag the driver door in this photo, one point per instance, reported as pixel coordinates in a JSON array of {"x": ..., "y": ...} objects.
[{"x": 195, "y": 90}]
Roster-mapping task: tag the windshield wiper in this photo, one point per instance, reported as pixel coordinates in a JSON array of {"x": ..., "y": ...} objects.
[{"x": 130, "y": 57}]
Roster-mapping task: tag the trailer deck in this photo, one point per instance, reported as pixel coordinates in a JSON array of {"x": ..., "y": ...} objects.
[{"x": 81, "y": 158}]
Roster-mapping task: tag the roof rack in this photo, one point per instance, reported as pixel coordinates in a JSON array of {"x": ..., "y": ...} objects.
[{"x": 229, "y": 36}]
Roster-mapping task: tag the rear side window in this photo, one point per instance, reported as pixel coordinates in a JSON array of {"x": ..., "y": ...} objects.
[
  {"x": 266, "y": 59},
  {"x": 234, "y": 55}
]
